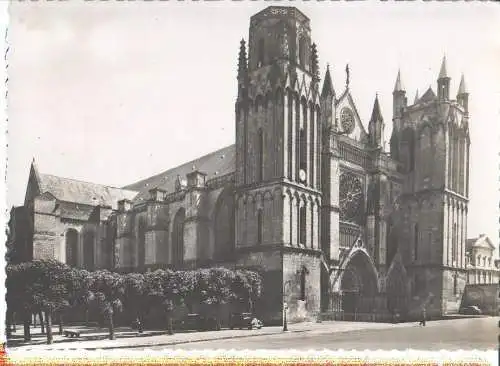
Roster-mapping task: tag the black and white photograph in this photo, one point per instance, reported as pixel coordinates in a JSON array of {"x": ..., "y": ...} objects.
[{"x": 251, "y": 175}]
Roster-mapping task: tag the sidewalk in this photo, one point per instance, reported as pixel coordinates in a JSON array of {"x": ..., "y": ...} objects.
[{"x": 126, "y": 338}]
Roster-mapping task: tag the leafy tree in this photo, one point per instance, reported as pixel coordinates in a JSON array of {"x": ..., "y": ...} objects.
[
  {"x": 50, "y": 293},
  {"x": 135, "y": 296},
  {"x": 108, "y": 290}
]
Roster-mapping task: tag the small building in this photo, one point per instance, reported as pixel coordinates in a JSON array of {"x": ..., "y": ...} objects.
[{"x": 482, "y": 266}]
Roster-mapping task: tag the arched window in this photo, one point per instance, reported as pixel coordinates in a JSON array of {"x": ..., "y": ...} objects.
[
  {"x": 260, "y": 144},
  {"x": 178, "y": 237},
  {"x": 415, "y": 241},
  {"x": 224, "y": 226},
  {"x": 302, "y": 225},
  {"x": 71, "y": 247},
  {"x": 141, "y": 243},
  {"x": 260, "y": 60},
  {"x": 426, "y": 152},
  {"x": 259, "y": 226},
  {"x": 302, "y": 149},
  {"x": 454, "y": 252},
  {"x": 88, "y": 250},
  {"x": 302, "y": 51},
  {"x": 303, "y": 274}
]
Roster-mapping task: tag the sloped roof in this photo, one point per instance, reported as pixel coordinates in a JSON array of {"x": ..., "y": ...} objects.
[
  {"x": 215, "y": 164},
  {"x": 71, "y": 190},
  {"x": 481, "y": 241},
  {"x": 428, "y": 96}
]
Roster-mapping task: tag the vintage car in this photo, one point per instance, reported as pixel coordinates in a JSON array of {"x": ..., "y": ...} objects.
[
  {"x": 198, "y": 322},
  {"x": 471, "y": 310}
]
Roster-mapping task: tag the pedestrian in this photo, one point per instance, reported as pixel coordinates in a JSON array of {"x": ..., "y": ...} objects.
[{"x": 422, "y": 322}]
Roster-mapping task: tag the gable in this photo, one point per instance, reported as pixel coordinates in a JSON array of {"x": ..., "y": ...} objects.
[{"x": 346, "y": 103}]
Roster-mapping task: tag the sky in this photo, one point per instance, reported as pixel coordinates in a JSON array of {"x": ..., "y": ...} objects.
[{"x": 113, "y": 92}]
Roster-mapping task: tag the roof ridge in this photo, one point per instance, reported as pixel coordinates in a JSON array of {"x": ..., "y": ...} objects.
[
  {"x": 165, "y": 172},
  {"x": 85, "y": 181}
]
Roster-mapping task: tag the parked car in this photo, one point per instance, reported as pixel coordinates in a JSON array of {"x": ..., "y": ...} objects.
[
  {"x": 471, "y": 310},
  {"x": 244, "y": 320},
  {"x": 199, "y": 322}
]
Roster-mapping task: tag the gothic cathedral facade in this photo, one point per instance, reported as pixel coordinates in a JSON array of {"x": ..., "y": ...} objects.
[{"x": 307, "y": 195}]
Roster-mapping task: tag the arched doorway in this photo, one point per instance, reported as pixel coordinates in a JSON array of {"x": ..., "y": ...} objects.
[
  {"x": 359, "y": 284},
  {"x": 71, "y": 247},
  {"x": 396, "y": 287}
]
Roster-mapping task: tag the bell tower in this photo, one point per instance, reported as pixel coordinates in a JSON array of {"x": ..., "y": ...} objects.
[{"x": 277, "y": 157}]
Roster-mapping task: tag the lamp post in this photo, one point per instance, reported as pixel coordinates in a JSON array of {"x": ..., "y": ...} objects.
[
  {"x": 285, "y": 307},
  {"x": 285, "y": 324}
]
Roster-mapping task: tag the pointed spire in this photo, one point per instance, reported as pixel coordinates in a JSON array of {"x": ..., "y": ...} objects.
[
  {"x": 242, "y": 61},
  {"x": 315, "y": 63},
  {"x": 416, "y": 98},
  {"x": 327, "y": 84},
  {"x": 399, "y": 85},
  {"x": 376, "y": 114},
  {"x": 443, "y": 73},
  {"x": 462, "y": 89}
]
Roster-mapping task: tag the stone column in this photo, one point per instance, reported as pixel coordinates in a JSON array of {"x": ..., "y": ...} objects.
[
  {"x": 293, "y": 130},
  {"x": 284, "y": 132}
]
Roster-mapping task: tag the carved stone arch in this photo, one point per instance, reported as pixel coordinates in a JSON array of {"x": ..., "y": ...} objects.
[
  {"x": 397, "y": 286},
  {"x": 259, "y": 200},
  {"x": 268, "y": 98},
  {"x": 268, "y": 195},
  {"x": 303, "y": 199},
  {"x": 359, "y": 282}
]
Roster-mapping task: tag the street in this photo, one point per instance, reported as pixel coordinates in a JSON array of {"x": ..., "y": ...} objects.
[{"x": 466, "y": 334}]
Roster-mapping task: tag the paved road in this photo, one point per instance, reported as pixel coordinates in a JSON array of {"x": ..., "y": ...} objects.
[{"x": 466, "y": 334}]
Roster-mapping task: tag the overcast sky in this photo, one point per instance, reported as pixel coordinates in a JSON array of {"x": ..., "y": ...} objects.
[{"x": 112, "y": 92}]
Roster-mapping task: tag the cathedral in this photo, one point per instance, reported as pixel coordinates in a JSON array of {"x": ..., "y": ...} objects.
[{"x": 306, "y": 196}]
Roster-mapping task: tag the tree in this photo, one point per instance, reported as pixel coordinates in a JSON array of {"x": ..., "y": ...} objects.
[
  {"x": 50, "y": 293},
  {"x": 135, "y": 296},
  {"x": 108, "y": 290}
]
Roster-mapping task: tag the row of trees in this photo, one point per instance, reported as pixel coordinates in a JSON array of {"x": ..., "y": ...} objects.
[{"x": 53, "y": 288}]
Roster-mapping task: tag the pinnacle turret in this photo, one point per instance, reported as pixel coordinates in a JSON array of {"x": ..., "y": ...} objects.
[
  {"x": 327, "y": 84},
  {"x": 442, "y": 72},
  {"x": 399, "y": 85},
  {"x": 315, "y": 63},
  {"x": 376, "y": 114},
  {"x": 242, "y": 61},
  {"x": 416, "y": 98},
  {"x": 462, "y": 89}
]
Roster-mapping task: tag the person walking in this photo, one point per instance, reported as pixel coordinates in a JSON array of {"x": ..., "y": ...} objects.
[{"x": 422, "y": 322}]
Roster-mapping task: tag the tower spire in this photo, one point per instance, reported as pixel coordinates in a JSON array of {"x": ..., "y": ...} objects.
[
  {"x": 327, "y": 84},
  {"x": 376, "y": 125},
  {"x": 242, "y": 62},
  {"x": 398, "y": 86},
  {"x": 462, "y": 89},
  {"x": 442, "y": 72}
]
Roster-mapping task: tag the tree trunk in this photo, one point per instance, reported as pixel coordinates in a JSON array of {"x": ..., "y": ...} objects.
[
  {"x": 111, "y": 326},
  {"x": 87, "y": 317},
  {"x": 60, "y": 324},
  {"x": 42, "y": 325},
  {"x": 48, "y": 319},
  {"x": 27, "y": 329},
  {"x": 34, "y": 319},
  {"x": 8, "y": 324},
  {"x": 170, "y": 328},
  {"x": 13, "y": 321}
]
